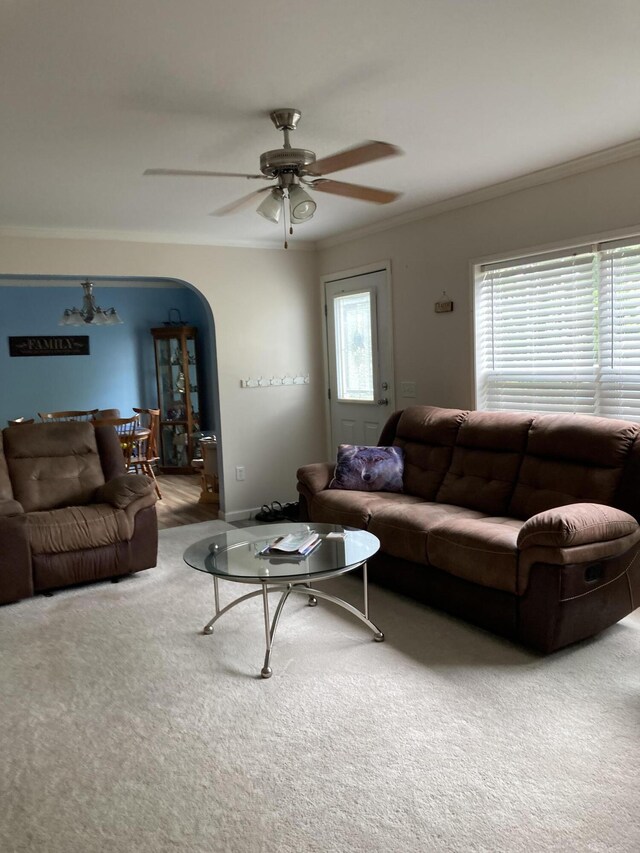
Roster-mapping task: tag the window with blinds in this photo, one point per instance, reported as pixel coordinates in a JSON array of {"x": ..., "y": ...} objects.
[{"x": 561, "y": 333}]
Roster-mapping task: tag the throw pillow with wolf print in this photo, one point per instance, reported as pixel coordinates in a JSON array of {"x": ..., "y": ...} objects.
[{"x": 369, "y": 469}]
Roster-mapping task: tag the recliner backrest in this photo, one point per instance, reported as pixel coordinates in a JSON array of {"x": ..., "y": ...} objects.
[
  {"x": 53, "y": 465},
  {"x": 517, "y": 464},
  {"x": 486, "y": 461},
  {"x": 571, "y": 459},
  {"x": 427, "y": 435}
]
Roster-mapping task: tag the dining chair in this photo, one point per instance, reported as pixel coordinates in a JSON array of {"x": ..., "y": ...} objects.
[
  {"x": 19, "y": 421},
  {"x": 106, "y": 413},
  {"x": 145, "y": 455},
  {"x": 126, "y": 430},
  {"x": 77, "y": 415}
]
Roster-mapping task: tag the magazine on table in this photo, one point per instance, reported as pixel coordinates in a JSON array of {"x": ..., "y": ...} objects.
[{"x": 295, "y": 545}]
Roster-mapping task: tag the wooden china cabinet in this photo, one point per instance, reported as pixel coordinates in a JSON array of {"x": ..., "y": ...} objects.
[{"x": 178, "y": 397}]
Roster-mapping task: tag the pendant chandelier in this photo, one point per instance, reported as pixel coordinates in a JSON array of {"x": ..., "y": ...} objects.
[{"x": 90, "y": 313}]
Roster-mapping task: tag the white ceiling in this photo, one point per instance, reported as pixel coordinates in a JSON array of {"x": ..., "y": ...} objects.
[{"x": 474, "y": 91}]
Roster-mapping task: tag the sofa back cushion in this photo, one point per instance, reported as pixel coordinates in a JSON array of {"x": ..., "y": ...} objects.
[
  {"x": 427, "y": 435},
  {"x": 571, "y": 459},
  {"x": 486, "y": 461},
  {"x": 52, "y": 465}
]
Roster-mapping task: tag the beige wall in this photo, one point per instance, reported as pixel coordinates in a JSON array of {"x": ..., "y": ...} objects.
[
  {"x": 433, "y": 254},
  {"x": 265, "y": 306}
]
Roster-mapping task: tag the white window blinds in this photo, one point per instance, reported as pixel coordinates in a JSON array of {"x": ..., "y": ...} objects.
[{"x": 561, "y": 333}]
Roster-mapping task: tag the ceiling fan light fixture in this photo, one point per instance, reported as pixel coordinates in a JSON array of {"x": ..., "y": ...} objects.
[
  {"x": 292, "y": 169},
  {"x": 301, "y": 205},
  {"x": 271, "y": 206}
]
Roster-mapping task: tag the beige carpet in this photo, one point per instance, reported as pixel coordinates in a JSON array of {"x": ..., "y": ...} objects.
[{"x": 125, "y": 730}]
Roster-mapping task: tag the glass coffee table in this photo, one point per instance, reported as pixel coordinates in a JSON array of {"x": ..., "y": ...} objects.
[{"x": 233, "y": 556}]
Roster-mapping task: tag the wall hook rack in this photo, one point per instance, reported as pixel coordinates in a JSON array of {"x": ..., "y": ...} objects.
[{"x": 275, "y": 381}]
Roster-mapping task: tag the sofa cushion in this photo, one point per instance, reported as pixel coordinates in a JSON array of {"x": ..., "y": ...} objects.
[
  {"x": 352, "y": 509},
  {"x": 77, "y": 528},
  {"x": 427, "y": 435},
  {"x": 481, "y": 550},
  {"x": 486, "y": 461},
  {"x": 368, "y": 469},
  {"x": 571, "y": 459},
  {"x": 403, "y": 527},
  {"x": 53, "y": 465}
]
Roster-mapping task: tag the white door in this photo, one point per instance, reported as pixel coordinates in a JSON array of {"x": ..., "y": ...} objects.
[{"x": 360, "y": 356}]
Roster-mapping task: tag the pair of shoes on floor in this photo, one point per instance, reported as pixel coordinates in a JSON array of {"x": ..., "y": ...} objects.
[
  {"x": 291, "y": 511},
  {"x": 274, "y": 512}
]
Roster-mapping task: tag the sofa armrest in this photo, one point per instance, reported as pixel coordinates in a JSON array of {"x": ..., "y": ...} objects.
[
  {"x": 9, "y": 508},
  {"x": 317, "y": 476},
  {"x": 123, "y": 490},
  {"x": 576, "y": 524}
]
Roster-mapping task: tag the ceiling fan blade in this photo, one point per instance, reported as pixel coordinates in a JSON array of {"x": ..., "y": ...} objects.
[
  {"x": 200, "y": 174},
  {"x": 240, "y": 203},
  {"x": 355, "y": 191},
  {"x": 364, "y": 153}
]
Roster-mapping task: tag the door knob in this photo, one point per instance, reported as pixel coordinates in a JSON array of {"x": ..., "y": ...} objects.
[{"x": 383, "y": 402}]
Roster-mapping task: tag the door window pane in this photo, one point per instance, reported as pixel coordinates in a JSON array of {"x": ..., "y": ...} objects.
[{"x": 354, "y": 346}]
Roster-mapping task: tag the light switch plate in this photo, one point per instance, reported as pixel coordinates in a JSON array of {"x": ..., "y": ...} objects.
[{"x": 407, "y": 389}]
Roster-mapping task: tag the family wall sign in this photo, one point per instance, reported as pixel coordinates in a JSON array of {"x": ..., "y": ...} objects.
[{"x": 49, "y": 345}]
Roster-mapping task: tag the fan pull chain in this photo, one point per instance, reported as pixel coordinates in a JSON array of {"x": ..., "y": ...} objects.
[{"x": 284, "y": 223}]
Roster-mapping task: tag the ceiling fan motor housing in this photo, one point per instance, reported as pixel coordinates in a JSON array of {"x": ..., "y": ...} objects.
[{"x": 280, "y": 160}]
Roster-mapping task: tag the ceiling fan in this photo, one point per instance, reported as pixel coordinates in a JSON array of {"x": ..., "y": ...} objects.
[{"x": 295, "y": 168}]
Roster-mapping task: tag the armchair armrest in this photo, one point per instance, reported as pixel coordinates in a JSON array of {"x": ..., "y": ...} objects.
[
  {"x": 10, "y": 507},
  {"x": 316, "y": 477},
  {"x": 576, "y": 524},
  {"x": 16, "y": 579},
  {"x": 123, "y": 490}
]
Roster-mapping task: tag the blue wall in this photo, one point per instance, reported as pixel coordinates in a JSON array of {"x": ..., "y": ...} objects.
[{"x": 120, "y": 370}]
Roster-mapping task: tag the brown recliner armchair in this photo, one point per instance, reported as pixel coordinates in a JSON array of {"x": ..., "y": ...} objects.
[{"x": 69, "y": 512}]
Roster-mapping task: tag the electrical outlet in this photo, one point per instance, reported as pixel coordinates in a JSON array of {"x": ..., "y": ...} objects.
[{"x": 239, "y": 472}]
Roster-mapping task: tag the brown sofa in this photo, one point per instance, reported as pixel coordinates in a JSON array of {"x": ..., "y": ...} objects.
[
  {"x": 524, "y": 524},
  {"x": 69, "y": 512}
]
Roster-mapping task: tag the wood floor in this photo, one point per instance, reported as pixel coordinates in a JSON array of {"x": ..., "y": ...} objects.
[{"x": 179, "y": 504}]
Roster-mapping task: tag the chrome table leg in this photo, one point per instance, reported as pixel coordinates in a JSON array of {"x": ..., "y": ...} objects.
[
  {"x": 208, "y": 628},
  {"x": 312, "y": 599},
  {"x": 270, "y": 632},
  {"x": 378, "y": 636},
  {"x": 366, "y": 590},
  {"x": 270, "y": 627}
]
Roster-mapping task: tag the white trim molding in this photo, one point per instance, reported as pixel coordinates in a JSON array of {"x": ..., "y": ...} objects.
[
  {"x": 149, "y": 237},
  {"x": 577, "y": 166}
]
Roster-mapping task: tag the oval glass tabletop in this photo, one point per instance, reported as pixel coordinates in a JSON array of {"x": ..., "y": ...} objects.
[{"x": 234, "y": 553}]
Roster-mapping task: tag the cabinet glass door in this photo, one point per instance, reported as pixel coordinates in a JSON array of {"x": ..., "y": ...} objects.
[{"x": 178, "y": 395}]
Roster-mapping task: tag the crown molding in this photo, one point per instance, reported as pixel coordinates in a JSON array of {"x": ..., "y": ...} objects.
[
  {"x": 577, "y": 166},
  {"x": 148, "y": 237}
]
